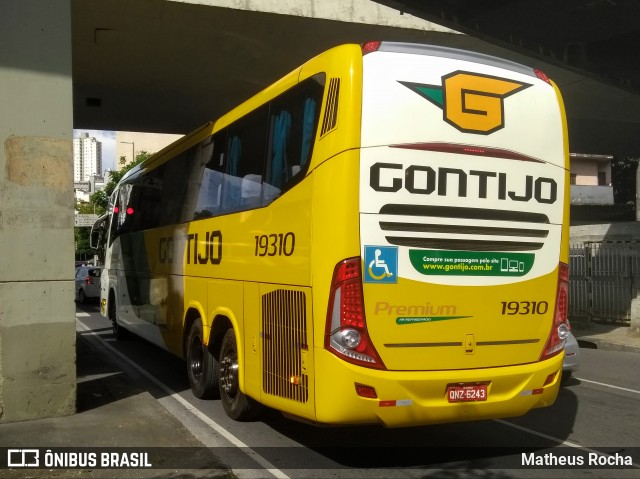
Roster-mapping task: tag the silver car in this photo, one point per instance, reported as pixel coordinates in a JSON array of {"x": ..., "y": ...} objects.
[
  {"x": 87, "y": 283},
  {"x": 571, "y": 357}
]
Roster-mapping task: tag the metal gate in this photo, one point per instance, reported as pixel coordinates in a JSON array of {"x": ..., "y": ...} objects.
[{"x": 603, "y": 279}]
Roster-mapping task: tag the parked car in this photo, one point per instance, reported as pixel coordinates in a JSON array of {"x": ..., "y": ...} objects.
[
  {"x": 87, "y": 283},
  {"x": 571, "y": 357}
]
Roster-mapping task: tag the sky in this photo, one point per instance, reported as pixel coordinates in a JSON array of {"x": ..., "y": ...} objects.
[{"x": 108, "y": 140}]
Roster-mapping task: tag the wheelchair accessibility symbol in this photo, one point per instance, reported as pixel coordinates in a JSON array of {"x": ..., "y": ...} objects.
[{"x": 381, "y": 264}]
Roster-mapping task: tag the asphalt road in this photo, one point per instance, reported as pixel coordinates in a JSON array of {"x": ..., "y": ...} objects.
[{"x": 592, "y": 426}]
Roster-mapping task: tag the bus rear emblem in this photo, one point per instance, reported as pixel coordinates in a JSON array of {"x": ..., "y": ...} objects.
[{"x": 471, "y": 103}]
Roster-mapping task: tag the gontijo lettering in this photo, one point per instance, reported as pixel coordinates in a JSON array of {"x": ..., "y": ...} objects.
[
  {"x": 212, "y": 248},
  {"x": 424, "y": 180},
  {"x": 199, "y": 251}
]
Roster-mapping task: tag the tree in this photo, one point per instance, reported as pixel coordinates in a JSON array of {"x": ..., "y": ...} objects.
[
  {"x": 98, "y": 204},
  {"x": 623, "y": 179},
  {"x": 81, "y": 235},
  {"x": 101, "y": 198}
]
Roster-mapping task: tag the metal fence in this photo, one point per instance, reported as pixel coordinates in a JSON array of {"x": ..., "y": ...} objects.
[{"x": 603, "y": 279}]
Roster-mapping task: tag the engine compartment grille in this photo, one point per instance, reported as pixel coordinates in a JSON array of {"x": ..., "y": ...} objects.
[{"x": 284, "y": 335}]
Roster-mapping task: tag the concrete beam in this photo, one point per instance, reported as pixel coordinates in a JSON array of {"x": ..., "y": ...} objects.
[{"x": 354, "y": 11}]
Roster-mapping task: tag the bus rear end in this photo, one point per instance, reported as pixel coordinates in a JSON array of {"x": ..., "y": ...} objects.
[{"x": 456, "y": 308}]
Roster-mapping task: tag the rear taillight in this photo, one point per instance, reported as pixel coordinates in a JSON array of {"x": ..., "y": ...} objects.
[
  {"x": 346, "y": 332},
  {"x": 560, "y": 329},
  {"x": 88, "y": 280}
]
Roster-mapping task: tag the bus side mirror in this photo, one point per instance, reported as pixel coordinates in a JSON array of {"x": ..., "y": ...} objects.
[
  {"x": 97, "y": 236},
  {"x": 94, "y": 239}
]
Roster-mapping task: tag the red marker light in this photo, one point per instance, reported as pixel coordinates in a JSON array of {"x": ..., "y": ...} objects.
[
  {"x": 370, "y": 47},
  {"x": 116, "y": 209},
  {"x": 542, "y": 76},
  {"x": 129, "y": 211}
]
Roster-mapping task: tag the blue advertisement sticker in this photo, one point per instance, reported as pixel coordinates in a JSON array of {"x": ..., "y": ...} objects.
[{"x": 381, "y": 264}]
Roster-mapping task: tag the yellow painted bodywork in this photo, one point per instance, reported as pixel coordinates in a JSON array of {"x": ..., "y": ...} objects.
[
  {"x": 322, "y": 211},
  {"x": 421, "y": 395}
]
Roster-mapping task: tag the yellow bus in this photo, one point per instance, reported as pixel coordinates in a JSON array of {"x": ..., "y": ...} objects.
[{"x": 381, "y": 236}]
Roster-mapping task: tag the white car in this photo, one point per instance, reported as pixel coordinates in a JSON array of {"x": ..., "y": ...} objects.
[
  {"x": 571, "y": 357},
  {"x": 87, "y": 283}
]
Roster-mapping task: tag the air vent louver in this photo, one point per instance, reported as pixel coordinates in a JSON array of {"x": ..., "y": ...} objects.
[
  {"x": 331, "y": 111},
  {"x": 284, "y": 333}
]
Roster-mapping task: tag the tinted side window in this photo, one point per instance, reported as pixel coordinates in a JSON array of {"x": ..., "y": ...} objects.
[
  {"x": 119, "y": 202},
  {"x": 261, "y": 155},
  {"x": 209, "y": 178},
  {"x": 174, "y": 178},
  {"x": 245, "y": 158},
  {"x": 292, "y": 130},
  {"x": 153, "y": 198}
]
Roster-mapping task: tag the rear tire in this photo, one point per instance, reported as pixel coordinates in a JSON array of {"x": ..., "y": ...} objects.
[
  {"x": 202, "y": 367},
  {"x": 82, "y": 299},
  {"x": 237, "y": 405},
  {"x": 118, "y": 331}
]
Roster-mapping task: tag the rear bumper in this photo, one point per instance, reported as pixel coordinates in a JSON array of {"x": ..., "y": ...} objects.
[{"x": 411, "y": 398}]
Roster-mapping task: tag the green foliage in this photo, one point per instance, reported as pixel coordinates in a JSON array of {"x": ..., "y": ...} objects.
[
  {"x": 81, "y": 235},
  {"x": 623, "y": 179},
  {"x": 98, "y": 203},
  {"x": 101, "y": 198}
]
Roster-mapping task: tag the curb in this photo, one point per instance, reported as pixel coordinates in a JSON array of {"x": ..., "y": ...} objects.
[{"x": 607, "y": 345}]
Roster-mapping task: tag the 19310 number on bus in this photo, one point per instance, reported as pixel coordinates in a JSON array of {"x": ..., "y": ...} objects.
[
  {"x": 275, "y": 244},
  {"x": 524, "y": 307}
]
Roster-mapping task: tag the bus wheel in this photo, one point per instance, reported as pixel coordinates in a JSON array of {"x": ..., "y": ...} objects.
[
  {"x": 118, "y": 332},
  {"x": 237, "y": 405},
  {"x": 202, "y": 367}
]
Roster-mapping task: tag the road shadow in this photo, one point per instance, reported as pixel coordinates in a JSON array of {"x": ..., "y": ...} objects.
[
  {"x": 104, "y": 369},
  {"x": 467, "y": 449},
  {"x": 455, "y": 450},
  {"x": 99, "y": 381}
]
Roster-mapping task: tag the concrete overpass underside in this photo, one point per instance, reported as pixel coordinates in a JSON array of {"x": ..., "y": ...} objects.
[{"x": 169, "y": 66}]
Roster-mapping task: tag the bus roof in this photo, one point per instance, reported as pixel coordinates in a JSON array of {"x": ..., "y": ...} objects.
[{"x": 454, "y": 53}]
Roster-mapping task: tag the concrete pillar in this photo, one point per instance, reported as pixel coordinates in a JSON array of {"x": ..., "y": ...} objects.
[
  {"x": 634, "y": 326},
  {"x": 37, "y": 320}
]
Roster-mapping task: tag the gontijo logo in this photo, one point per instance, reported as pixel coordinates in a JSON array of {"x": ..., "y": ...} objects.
[{"x": 471, "y": 102}]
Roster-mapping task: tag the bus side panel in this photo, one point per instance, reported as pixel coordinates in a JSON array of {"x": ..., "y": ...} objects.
[
  {"x": 564, "y": 247},
  {"x": 343, "y": 68},
  {"x": 225, "y": 299},
  {"x": 336, "y": 234},
  {"x": 268, "y": 245},
  {"x": 252, "y": 332}
]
